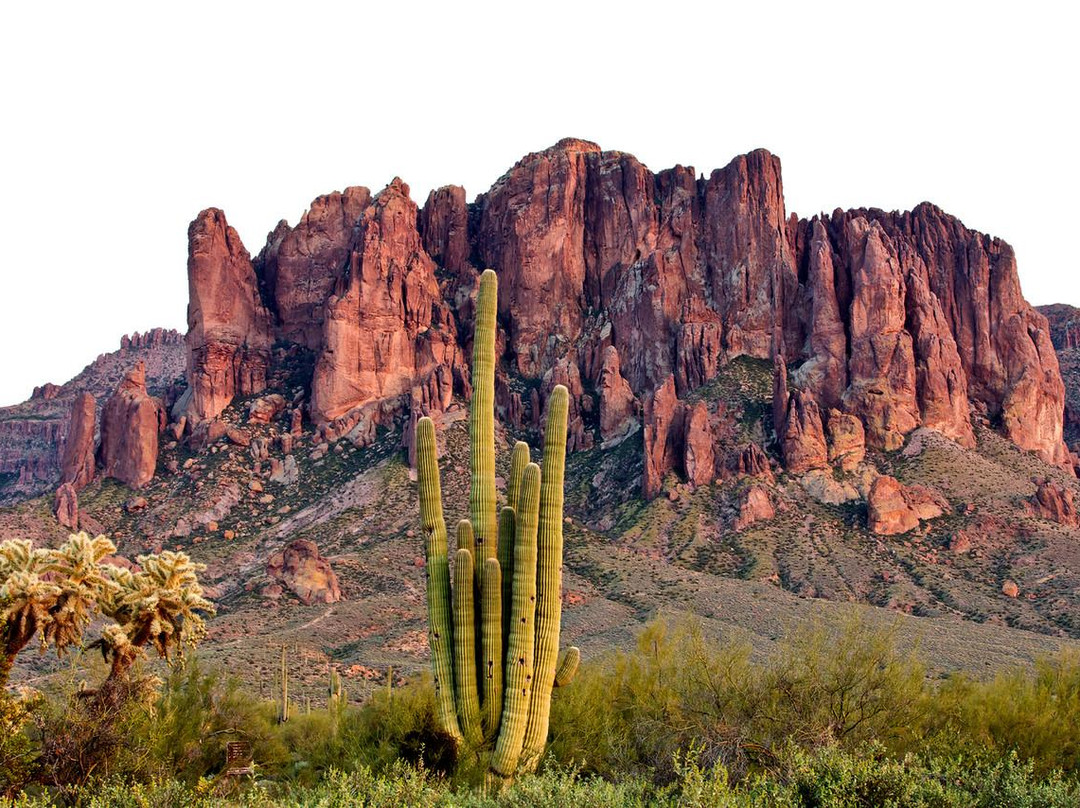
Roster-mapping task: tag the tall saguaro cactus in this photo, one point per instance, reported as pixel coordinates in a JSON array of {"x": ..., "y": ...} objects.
[{"x": 506, "y": 592}]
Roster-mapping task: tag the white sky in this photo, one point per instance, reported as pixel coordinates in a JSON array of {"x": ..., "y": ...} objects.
[{"x": 118, "y": 124}]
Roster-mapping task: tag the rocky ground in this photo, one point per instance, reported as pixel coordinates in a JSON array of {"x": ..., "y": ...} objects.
[{"x": 318, "y": 548}]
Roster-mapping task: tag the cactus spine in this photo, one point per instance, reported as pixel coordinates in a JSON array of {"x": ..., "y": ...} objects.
[{"x": 494, "y": 636}]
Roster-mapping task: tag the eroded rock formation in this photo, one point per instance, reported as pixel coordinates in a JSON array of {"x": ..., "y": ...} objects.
[
  {"x": 78, "y": 465},
  {"x": 387, "y": 326},
  {"x": 229, "y": 328},
  {"x": 893, "y": 507},
  {"x": 130, "y": 425},
  {"x": 618, "y": 279},
  {"x": 1054, "y": 502}
]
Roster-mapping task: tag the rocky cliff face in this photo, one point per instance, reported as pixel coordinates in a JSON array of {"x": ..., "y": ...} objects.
[
  {"x": 625, "y": 282},
  {"x": 387, "y": 328},
  {"x": 635, "y": 289},
  {"x": 228, "y": 326},
  {"x": 78, "y": 465}
]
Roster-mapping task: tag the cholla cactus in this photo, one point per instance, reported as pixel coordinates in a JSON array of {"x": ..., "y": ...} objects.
[
  {"x": 494, "y": 635},
  {"x": 77, "y": 570},
  {"x": 25, "y": 599},
  {"x": 56, "y": 593},
  {"x": 162, "y": 605}
]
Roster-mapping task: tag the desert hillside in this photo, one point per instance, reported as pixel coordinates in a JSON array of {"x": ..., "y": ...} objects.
[{"x": 770, "y": 416}]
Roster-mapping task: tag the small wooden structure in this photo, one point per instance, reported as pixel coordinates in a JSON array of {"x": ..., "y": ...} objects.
[{"x": 239, "y": 759}]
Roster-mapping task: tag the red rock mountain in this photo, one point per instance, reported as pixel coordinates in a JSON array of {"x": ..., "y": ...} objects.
[
  {"x": 900, "y": 320},
  {"x": 634, "y": 289}
]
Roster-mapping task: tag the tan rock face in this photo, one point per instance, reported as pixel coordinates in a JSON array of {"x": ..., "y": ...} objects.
[
  {"x": 66, "y": 506},
  {"x": 804, "y": 435},
  {"x": 940, "y": 380},
  {"x": 228, "y": 325},
  {"x": 955, "y": 294},
  {"x": 444, "y": 226},
  {"x": 387, "y": 328},
  {"x": 302, "y": 569},
  {"x": 618, "y": 406},
  {"x": 749, "y": 263},
  {"x": 77, "y": 466},
  {"x": 663, "y": 437},
  {"x": 1055, "y": 503},
  {"x": 532, "y": 233},
  {"x": 130, "y": 425},
  {"x": 755, "y": 505},
  {"x": 881, "y": 367},
  {"x": 311, "y": 259},
  {"x": 825, "y": 371},
  {"x": 894, "y": 508},
  {"x": 846, "y": 439},
  {"x": 699, "y": 459}
]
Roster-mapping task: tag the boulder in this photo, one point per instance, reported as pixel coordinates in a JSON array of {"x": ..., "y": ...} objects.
[
  {"x": 755, "y": 505},
  {"x": 284, "y": 473},
  {"x": 1054, "y": 502},
  {"x": 265, "y": 409},
  {"x": 894, "y": 508},
  {"x": 301, "y": 569}
]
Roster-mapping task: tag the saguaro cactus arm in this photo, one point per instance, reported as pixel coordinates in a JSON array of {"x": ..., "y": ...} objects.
[
  {"x": 549, "y": 576},
  {"x": 482, "y": 422},
  {"x": 568, "y": 666},
  {"x": 492, "y": 644},
  {"x": 519, "y": 655},
  {"x": 440, "y": 637},
  {"x": 468, "y": 702}
]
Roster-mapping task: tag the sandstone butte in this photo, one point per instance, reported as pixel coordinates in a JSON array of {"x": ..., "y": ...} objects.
[{"x": 631, "y": 287}]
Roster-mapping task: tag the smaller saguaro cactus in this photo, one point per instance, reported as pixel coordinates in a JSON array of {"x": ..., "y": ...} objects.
[
  {"x": 283, "y": 713},
  {"x": 336, "y": 696},
  {"x": 494, "y": 634}
]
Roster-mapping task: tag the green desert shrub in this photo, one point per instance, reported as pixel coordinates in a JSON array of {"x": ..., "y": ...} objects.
[
  {"x": 18, "y": 753},
  {"x": 1035, "y": 715},
  {"x": 680, "y": 690}
]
